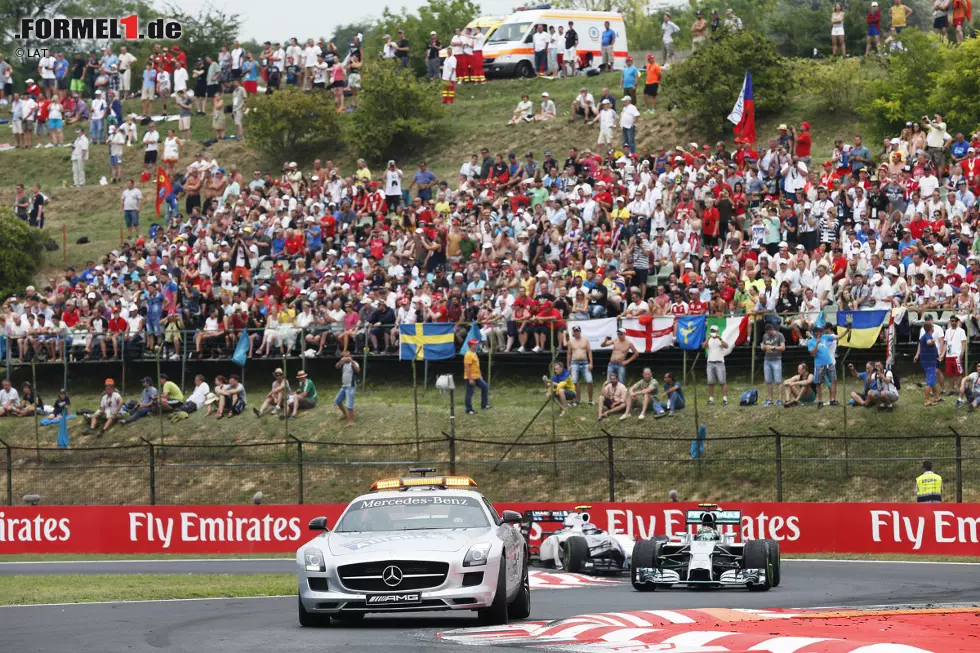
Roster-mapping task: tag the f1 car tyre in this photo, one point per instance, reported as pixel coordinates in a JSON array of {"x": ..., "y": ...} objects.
[
  {"x": 520, "y": 607},
  {"x": 309, "y": 619},
  {"x": 755, "y": 555},
  {"x": 776, "y": 563},
  {"x": 496, "y": 614},
  {"x": 644, "y": 555},
  {"x": 576, "y": 552}
]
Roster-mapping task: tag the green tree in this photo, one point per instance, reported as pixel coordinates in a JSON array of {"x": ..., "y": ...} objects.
[
  {"x": 206, "y": 31},
  {"x": 343, "y": 35},
  {"x": 21, "y": 250},
  {"x": 396, "y": 113},
  {"x": 957, "y": 87},
  {"x": 706, "y": 84},
  {"x": 439, "y": 16},
  {"x": 293, "y": 125}
]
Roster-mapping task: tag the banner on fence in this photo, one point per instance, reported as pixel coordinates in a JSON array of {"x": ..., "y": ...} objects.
[
  {"x": 595, "y": 331},
  {"x": 934, "y": 529}
]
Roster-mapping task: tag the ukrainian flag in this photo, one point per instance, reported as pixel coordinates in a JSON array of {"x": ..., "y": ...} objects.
[
  {"x": 865, "y": 327},
  {"x": 430, "y": 341}
]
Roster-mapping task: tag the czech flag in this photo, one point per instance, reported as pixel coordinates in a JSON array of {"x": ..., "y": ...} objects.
[
  {"x": 427, "y": 341},
  {"x": 865, "y": 327},
  {"x": 164, "y": 187},
  {"x": 743, "y": 113}
]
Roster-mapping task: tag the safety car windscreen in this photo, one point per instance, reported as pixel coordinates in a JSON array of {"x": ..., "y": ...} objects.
[{"x": 412, "y": 513}]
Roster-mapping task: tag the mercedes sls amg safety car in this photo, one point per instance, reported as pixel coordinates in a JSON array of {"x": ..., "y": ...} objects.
[
  {"x": 415, "y": 543},
  {"x": 709, "y": 557},
  {"x": 577, "y": 545}
]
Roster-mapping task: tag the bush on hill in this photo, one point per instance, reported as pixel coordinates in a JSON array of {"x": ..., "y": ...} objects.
[
  {"x": 292, "y": 124},
  {"x": 21, "y": 249}
]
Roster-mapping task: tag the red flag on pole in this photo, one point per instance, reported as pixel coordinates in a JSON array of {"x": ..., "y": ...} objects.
[
  {"x": 743, "y": 113},
  {"x": 164, "y": 187}
]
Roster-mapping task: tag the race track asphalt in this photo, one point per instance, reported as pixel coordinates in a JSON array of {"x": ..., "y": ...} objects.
[{"x": 269, "y": 624}]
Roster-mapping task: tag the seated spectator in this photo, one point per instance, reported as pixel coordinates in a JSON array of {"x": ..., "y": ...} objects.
[
  {"x": 30, "y": 402},
  {"x": 276, "y": 398},
  {"x": 305, "y": 396},
  {"x": 231, "y": 398},
  {"x": 524, "y": 111},
  {"x": 148, "y": 403},
  {"x": 110, "y": 407},
  {"x": 9, "y": 399}
]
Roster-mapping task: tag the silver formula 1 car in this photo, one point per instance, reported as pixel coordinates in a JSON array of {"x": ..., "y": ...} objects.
[
  {"x": 415, "y": 543},
  {"x": 709, "y": 557},
  {"x": 578, "y": 545}
]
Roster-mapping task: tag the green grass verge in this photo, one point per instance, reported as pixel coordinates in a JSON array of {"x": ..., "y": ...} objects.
[{"x": 29, "y": 590}]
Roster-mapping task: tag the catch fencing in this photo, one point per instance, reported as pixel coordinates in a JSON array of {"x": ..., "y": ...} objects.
[{"x": 599, "y": 467}]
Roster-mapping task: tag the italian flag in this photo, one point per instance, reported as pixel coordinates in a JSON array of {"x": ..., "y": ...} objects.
[{"x": 733, "y": 330}]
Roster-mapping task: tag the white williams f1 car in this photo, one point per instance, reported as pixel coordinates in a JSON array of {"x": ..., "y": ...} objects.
[
  {"x": 708, "y": 557},
  {"x": 579, "y": 545}
]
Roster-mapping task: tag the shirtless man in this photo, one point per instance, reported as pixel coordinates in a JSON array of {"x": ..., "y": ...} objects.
[
  {"x": 799, "y": 387},
  {"x": 579, "y": 361},
  {"x": 623, "y": 353}
]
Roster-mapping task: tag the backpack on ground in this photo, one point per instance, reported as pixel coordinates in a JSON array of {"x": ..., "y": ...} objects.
[{"x": 749, "y": 398}]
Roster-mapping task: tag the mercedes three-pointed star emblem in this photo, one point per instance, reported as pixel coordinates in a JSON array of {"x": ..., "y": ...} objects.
[{"x": 392, "y": 576}]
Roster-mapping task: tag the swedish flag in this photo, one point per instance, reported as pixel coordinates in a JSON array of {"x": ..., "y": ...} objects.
[
  {"x": 427, "y": 341},
  {"x": 865, "y": 327}
]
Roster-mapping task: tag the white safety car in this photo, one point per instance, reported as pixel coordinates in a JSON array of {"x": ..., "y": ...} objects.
[
  {"x": 709, "y": 557},
  {"x": 415, "y": 543},
  {"x": 579, "y": 545}
]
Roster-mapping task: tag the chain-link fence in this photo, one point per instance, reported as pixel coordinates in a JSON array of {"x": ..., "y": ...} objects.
[{"x": 536, "y": 467}]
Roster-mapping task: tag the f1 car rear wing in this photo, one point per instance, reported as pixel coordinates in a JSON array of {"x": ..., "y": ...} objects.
[
  {"x": 733, "y": 517},
  {"x": 545, "y": 516},
  {"x": 556, "y": 519}
]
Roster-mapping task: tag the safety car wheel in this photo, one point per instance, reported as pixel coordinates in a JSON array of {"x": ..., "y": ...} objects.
[
  {"x": 520, "y": 607},
  {"x": 496, "y": 614},
  {"x": 755, "y": 555},
  {"x": 576, "y": 552},
  {"x": 644, "y": 556},
  {"x": 310, "y": 619},
  {"x": 775, "y": 561}
]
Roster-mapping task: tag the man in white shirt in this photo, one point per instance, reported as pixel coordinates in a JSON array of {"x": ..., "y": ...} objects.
[
  {"x": 310, "y": 54},
  {"x": 237, "y": 57},
  {"x": 627, "y": 121},
  {"x": 151, "y": 139},
  {"x": 449, "y": 79},
  {"x": 9, "y": 399},
  {"x": 541, "y": 41},
  {"x": 79, "y": 155},
  {"x": 126, "y": 61},
  {"x": 96, "y": 126},
  {"x": 180, "y": 77},
  {"x": 717, "y": 349},
  {"x": 583, "y": 105},
  {"x": 936, "y": 138},
  {"x": 28, "y": 111},
  {"x": 607, "y": 120},
  {"x": 955, "y": 340},
  {"x": 45, "y": 68}
]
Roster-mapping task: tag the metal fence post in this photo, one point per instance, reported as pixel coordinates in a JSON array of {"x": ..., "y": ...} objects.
[
  {"x": 611, "y": 456},
  {"x": 779, "y": 464},
  {"x": 959, "y": 465},
  {"x": 451, "y": 438},
  {"x": 299, "y": 468},
  {"x": 10, "y": 472},
  {"x": 153, "y": 471}
]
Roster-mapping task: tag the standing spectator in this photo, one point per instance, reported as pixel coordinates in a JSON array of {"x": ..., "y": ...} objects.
[
  {"x": 97, "y": 116},
  {"x": 837, "y": 31},
  {"x": 250, "y": 75},
  {"x": 132, "y": 204},
  {"x": 561, "y": 387},
  {"x": 45, "y": 68},
  {"x": 479, "y": 74},
  {"x": 927, "y": 354},
  {"x": 464, "y": 66},
  {"x": 28, "y": 111},
  {"x": 148, "y": 90},
  {"x": 652, "y": 84},
  {"x": 79, "y": 155},
  {"x": 401, "y": 49},
  {"x": 935, "y": 143},
  {"x": 109, "y": 407},
  {"x": 553, "y": 48},
  {"x": 38, "y": 201},
  {"x": 716, "y": 347},
  {"x": 580, "y": 359},
  {"x": 163, "y": 85},
  {"x": 151, "y": 139},
  {"x": 732, "y": 21},
  {"x": 349, "y": 369},
  {"x": 953, "y": 344},
  {"x": 213, "y": 77},
  {"x": 200, "y": 77},
  {"x": 940, "y": 17},
  {"x": 630, "y": 75},
  {"x": 773, "y": 346},
  {"x": 117, "y": 141},
  {"x": 873, "y": 20},
  {"x": 9, "y": 399},
  {"x": 822, "y": 347},
  {"x": 449, "y": 78},
  {"x": 900, "y": 13},
  {"x": 474, "y": 379},
  {"x": 668, "y": 29},
  {"x": 960, "y": 10},
  {"x": 644, "y": 391},
  {"x": 432, "y": 58},
  {"x": 180, "y": 79},
  {"x": 5, "y": 70},
  {"x": 218, "y": 116},
  {"x": 126, "y": 61},
  {"x": 393, "y": 186},
  {"x": 698, "y": 28},
  {"x": 627, "y": 122},
  {"x": 17, "y": 119},
  {"x": 571, "y": 49},
  {"x": 185, "y": 109},
  {"x": 623, "y": 353},
  {"x": 540, "y": 41},
  {"x": 613, "y": 398},
  {"x": 674, "y": 396},
  {"x": 608, "y": 47},
  {"x": 171, "y": 152},
  {"x": 239, "y": 96}
]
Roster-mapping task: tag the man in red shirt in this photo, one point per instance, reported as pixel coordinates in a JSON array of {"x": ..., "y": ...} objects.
[
  {"x": 710, "y": 223},
  {"x": 802, "y": 143},
  {"x": 117, "y": 329},
  {"x": 294, "y": 243},
  {"x": 696, "y": 306}
]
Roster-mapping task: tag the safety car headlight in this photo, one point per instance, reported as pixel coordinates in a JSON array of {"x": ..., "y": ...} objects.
[
  {"x": 314, "y": 560},
  {"x": 477, "y": 555}
]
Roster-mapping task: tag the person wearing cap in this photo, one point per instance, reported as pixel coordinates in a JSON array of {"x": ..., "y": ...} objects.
[
  {"x": 560, "y": 387},
  {"x": 668, "y": 28},
  {"x": 305, "y": 396},
  {"x": 873, "y": 19},
  {"x": 733, "y": 22},
  {"x": 651, "y": 87},
  {"x": 276, "y": 399},
  {"x": 951, "y": 350},
  {"x": 110, "y": 405},
  {"x": 698, "y": 28},
  {"x": 548, "y": 110},
  {"x": 607, "y": 121},
  {"x": 623, "y": 353},
  {"x": 579, "y": 360},
  {"x": 148, "y": 401},
  {"x": 627, "y": 122},
  {"x": 79, "y": 156},
  {"x": 628, "y": 78},
  {"x": 349, "y": 369},
  {"x": 717, "y": 349},
  {"x": 823, "y": 347}
]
